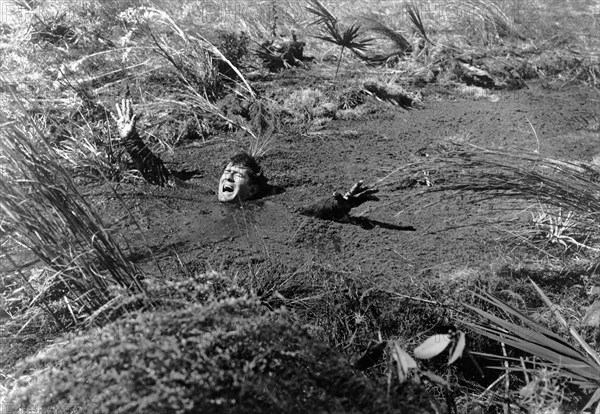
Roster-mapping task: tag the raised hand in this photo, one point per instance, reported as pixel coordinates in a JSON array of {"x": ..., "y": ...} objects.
[
  {"x": 125, "y": 119},
  {"x": 151, "y": 166}
]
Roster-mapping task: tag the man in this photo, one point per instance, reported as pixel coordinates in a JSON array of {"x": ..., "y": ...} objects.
[{"x": 241, "y": 180}]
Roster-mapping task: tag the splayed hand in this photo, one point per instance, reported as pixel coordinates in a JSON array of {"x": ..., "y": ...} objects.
[
  {"x": 356, "y": 196},
  {"x": 126, "y": 119}
]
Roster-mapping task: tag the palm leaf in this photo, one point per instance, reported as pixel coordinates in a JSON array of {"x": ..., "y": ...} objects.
[
  {"x": 347, "y": 39},
  {"x": 530, "y": 336},
  {"x": 415, "y": 18},
  {"x": 322, "y": 13},
  {"x": 588, "y": 349},
  {"x": 536, "y": 364},
  {"x": 400, "y": 41}
]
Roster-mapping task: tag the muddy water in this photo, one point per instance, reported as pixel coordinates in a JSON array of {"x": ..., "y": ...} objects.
[{"x": 432, "y": 235}]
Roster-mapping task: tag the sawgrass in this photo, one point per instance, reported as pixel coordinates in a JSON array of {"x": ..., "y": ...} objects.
[
  {"x": 579, "y": 365},
  {"x": 47, "y": 214}
]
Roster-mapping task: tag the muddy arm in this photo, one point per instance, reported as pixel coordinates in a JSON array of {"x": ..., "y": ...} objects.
[
  {"x": 152, "y": 168},
  {"x": 326, "y": 209},
  {"x": 338, "y": 206}
]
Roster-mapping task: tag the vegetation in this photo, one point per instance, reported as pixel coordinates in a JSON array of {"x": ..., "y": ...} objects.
[
  {"x": 45, "y": 212},
  {"x": 225, "y": 354},
  {"x": 110, "y": 333}
]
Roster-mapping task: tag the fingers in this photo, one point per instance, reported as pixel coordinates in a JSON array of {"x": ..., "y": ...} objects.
[
  {"x": 125, "y": 111},
  {"x": 129, "y": 110},
  {"x": 355, "y": 188},
  {"x": 359, "y": 189},
  {"x": 359, "y": 194}
]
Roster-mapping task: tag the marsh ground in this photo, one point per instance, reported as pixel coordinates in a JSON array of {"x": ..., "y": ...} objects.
[
  {"x": 432, "y": 235},
  {"x": 346, "y": 284}
]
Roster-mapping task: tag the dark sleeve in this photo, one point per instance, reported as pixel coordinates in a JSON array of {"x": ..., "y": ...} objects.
[
  {"x": 327, "y": 209},
  {"x": 152, "y": 168}
]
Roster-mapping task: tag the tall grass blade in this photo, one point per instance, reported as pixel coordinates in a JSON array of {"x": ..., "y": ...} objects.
[
  {"x": 44, "y": 207},
  {"x": 555, "y": 352},
  {"x": 415, "y": 17},
  {"x": 564, "y": 323}
]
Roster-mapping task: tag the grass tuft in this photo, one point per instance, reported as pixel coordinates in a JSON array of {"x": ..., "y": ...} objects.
[
  {"x": 522, "y": 176},
  {"x": 552, "y": 352},
  {"x": 46, "y": 213}
]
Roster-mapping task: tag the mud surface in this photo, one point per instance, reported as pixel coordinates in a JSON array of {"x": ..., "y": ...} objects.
[{"x": 430, "y": 237}]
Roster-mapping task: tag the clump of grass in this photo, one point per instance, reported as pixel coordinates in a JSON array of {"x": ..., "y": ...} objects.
[
  {"x": 48, "y": 215},
  {"x": 553, "y": 352},
  {"x": 401, "y": 46},
  {"x": 485, "y": 19},
  {"x": 477, "y": 92},
  {"x": 340, "y": 308},
  {"x": 562, "y": 228},
  {"x": 234, "y": 46},
  {"x": 277, "y": 53},
  {"x": 345, "y": 38},
  {"x": 227, "y": 354},
  {"x": 417, "y": 21},
  {"x": 206, "y": 74},
  {"x": 521, "y": 176}
]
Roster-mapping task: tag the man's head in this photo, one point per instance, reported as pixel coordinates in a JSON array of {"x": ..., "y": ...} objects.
[{"x": 242, "y": 179}]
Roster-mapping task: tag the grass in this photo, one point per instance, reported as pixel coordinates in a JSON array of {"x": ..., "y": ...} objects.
[
  {"x": 345, "y": 38},
  {"x": 195, "y": 71},
  {"x": 45, "y": 212},
  {"x": 567, "y": 192},
  {"x": 551, "y": 352}
]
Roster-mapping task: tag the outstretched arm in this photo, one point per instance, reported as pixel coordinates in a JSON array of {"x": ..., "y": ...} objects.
[
  {"x": 152, "y": 168},
  {"x": 338, "y": 206}
]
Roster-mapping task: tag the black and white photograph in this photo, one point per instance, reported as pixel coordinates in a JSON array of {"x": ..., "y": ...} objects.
[{"x": 299, "y": 206}]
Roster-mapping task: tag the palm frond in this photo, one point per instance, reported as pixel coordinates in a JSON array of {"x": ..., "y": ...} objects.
[
  {"x": 400, "y": 41},
  {"x": 527, "y": 335},
  {"x": 348, "y": 38},
  {"x": 323, "y": 14},
  {"x": 415, "y": 18}
]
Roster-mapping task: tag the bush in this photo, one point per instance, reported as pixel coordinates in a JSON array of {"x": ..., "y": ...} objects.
[
  {"x": 234, "y": 46},
  {"x": 228, "y": 355}
]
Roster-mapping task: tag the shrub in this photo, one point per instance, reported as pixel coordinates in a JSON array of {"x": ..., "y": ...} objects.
[
  {"x": 228, "y": 355},
  {"x": 234, "y": 46}
]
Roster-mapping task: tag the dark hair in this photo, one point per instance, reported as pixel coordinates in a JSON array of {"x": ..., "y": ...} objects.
[{"x": 245, "y": 160}]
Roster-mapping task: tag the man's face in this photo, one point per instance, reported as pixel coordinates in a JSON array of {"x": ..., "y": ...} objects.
[{"x": 236, "y": 184}]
